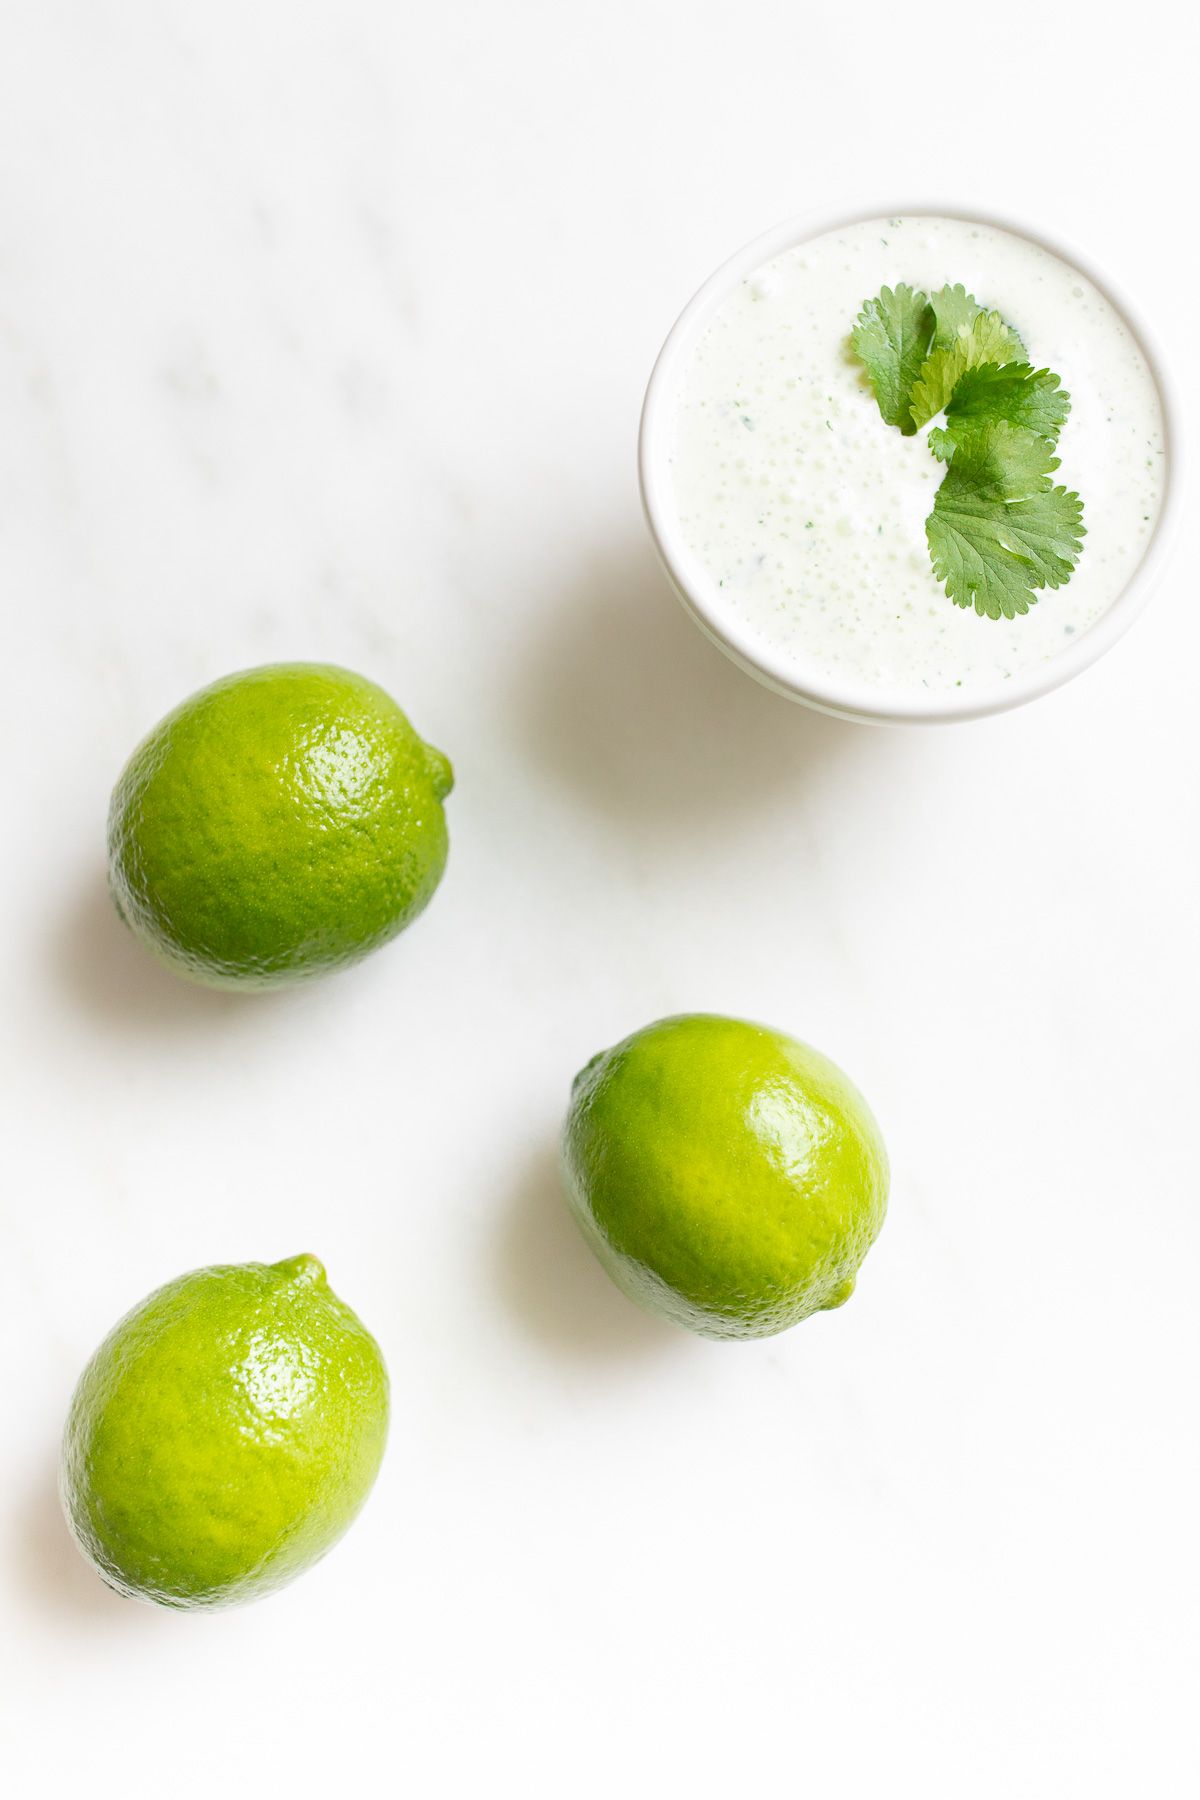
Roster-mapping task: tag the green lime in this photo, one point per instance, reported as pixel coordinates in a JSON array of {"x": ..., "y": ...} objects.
[
  {"x": 224, "y": 1435},
  {"x": 727, "y": 1176},
  {"x": 280, "y": 823}
]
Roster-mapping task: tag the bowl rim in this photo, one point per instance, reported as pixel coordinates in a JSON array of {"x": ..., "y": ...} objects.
[{"x": 860, "y": 700}]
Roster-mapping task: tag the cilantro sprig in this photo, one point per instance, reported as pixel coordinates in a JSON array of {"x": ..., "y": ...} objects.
[{"x": 1000, "y": 530}]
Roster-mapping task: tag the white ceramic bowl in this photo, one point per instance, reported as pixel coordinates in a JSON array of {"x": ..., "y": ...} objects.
[{"x": 859, "y": 700}]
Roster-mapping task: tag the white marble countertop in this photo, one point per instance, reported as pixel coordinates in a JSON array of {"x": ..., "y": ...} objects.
[{"x": 323, "y": 330}]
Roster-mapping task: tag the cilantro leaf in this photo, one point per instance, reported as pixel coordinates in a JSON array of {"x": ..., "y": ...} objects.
[
  {"x": 999, "y": 530},
  {"x": 987, "y": 339},
  {"x": 1016, "y": 392},
  {"x": 954, "y": 310},
  {"x": 892, "y": 340}
]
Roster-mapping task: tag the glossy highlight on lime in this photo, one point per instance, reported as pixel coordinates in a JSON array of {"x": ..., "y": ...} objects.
[
  {"x": 728, "y": 1177},
  {"x": 279, "y": 824},
  {"x": 224, "y": 1435}
]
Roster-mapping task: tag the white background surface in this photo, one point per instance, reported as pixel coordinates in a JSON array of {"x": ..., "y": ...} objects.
[{"x": 323, "y": 330}]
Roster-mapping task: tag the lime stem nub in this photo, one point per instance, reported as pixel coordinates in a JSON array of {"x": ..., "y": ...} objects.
[{"x": 302, "y": 1268}]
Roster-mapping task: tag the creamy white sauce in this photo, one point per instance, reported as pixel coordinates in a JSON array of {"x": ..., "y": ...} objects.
[{"x": 807, "y": 512}]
